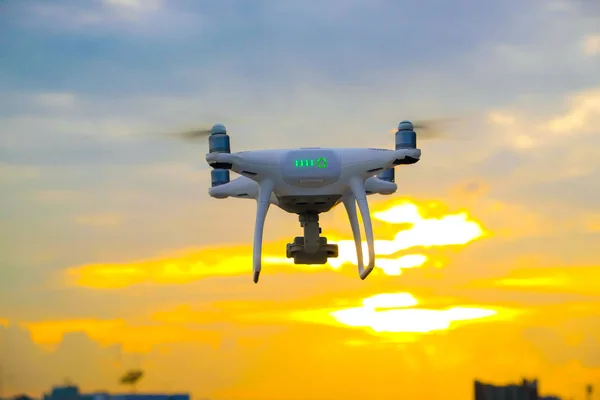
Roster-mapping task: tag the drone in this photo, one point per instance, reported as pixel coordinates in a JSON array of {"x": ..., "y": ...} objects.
[{"x": 308, "y": 182}]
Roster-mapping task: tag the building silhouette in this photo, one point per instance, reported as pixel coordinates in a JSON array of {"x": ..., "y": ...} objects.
[
  {"x": 71, "y": 392},
  {"x": 67, "y": 392},
  {"x": 527, "y": 390}
]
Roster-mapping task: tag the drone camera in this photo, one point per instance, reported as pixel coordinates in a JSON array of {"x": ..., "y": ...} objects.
[{"x": 297, "y": 251}]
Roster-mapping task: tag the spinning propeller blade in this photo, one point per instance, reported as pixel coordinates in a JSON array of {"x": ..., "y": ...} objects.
[
  {"x": 429, "y": 129},
  {"x": 203, "y": 130},
  {"x": 198, "y": 133},
  {"x": 191, "y": 134}
]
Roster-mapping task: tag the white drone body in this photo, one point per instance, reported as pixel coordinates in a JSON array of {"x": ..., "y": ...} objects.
[{"x": 308, "y": 182}]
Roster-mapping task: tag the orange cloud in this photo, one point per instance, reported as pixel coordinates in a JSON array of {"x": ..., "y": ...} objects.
[
  {"x": 573, "y": 279},
  {"x": 49, "y": 333},
  {"x": 4, "y": 322},
  {"x": 394, "y": 316},
  {"x": 413, "y": 229},
  {"x": 504, "y": 220},
  {"x": 390, "y": 329},
  {"x": 133, "y": 338},
  {"x": 581, "y": 117},
  {"x": 501, "y": 118},
  {"x": 173, "y": 269},
  {"x": 185, "y": 313}
]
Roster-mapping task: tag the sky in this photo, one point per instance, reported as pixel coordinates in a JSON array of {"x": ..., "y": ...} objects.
[{"x": 113, "y": 256}]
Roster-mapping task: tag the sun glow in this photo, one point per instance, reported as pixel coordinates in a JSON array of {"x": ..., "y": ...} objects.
[
  {"x": 449, "y": 230},
  {"x": 397, "y": 313}
]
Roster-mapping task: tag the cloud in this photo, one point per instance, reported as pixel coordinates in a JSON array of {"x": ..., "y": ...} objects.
[
  {"x": 242, "y": 336},
  {"x": 19, "y": 353},
  {"x": 496, "y": 214},
  {"x": 572, "y": 279},
  {"x": 107, "y": 364},
  {"x": 121, "y": 14},
  {"x": 530, "y": 128},
  {"x": 212, "y": 324},
  {"x": 55, "y": 99},
  {"x": 422, "y": 233},
  {"x": 501, "y": 118},
  {"x": 137, "y": 5},
  {"x": 388, "y": 313},
  {"x": 457, "y": 349},
  {"x": 161, "y": 271},
  {"x": 582, "y": 117},
  {"x": 591, "y": 44},
  {"x": 132, "y": 337},
  {"x": 528, "y": 134}
]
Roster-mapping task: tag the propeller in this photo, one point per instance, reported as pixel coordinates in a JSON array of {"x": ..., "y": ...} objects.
[
  {"x": 202, "y": 130},
  {"x": 191, "y": 134},
  {"x": 197, "y": 133},
  {"x": 429, "y": 129}
]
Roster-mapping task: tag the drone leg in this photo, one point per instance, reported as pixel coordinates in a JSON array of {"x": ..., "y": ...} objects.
[
  {"x": 358, "y": 189},
  {"x": 262, "y": 206},
  {"x": 350, "y": 204}
]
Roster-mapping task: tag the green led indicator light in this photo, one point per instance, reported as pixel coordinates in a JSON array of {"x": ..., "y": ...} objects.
[
  {"x": 305, "y": 163},
  {"x": 320, "y": 162}
]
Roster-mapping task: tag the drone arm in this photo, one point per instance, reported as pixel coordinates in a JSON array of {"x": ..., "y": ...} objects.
[
  {"x": 245, "y": 164},
  {"x": 405, "y": 157},
  {"x": 262, "y": 206},
  {"x": 383, "y": 160},
  {"x": 358, "y": 190},
  {"x": 241, "y": 187},
  {"x": 375, "y": 185},
  {"x": 221, "y": 158},
  {"x": 350, "y": 205}
]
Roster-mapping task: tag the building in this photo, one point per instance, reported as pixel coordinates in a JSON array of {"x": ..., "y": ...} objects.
[
  {"x": 142, "y": 396},
  {"x": 71, "y": 392},
  {"x": 68, "y": 392},
  {"x": 527, "y": 390}
]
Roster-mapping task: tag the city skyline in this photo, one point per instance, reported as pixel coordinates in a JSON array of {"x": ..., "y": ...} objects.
[{"x": 114, "y": 256}]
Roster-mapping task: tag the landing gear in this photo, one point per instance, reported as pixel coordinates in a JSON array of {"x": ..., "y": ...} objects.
[{"x": 312, "y": 248}]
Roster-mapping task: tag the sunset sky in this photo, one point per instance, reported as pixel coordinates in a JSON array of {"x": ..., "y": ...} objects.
[{"x": 113, "y": 256}]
